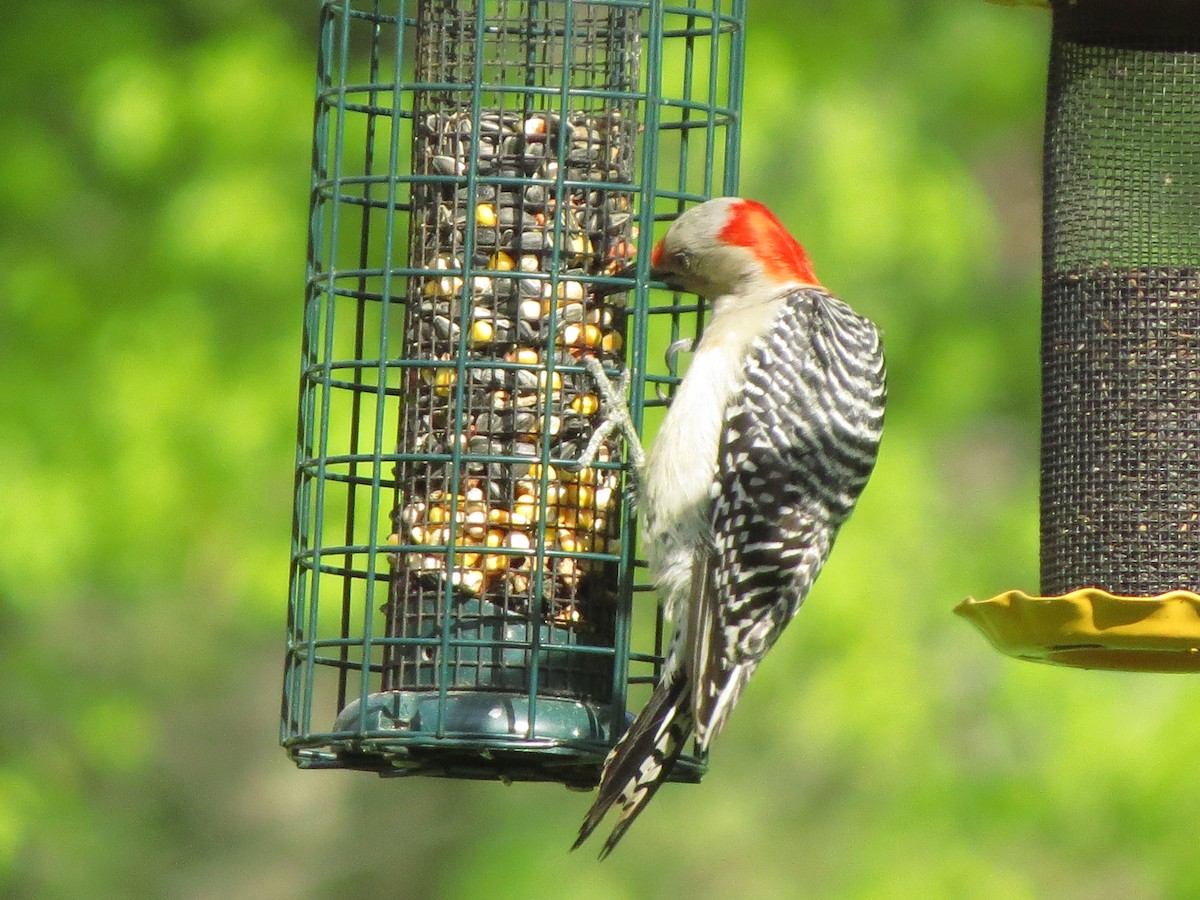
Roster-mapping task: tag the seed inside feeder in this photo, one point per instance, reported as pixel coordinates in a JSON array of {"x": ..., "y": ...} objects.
[{"x": 526, "y": 334}]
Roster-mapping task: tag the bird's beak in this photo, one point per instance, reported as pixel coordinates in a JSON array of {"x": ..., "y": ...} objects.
[
  {"x": 669, "y": 278},
  {"x": 628, "y": 273}
]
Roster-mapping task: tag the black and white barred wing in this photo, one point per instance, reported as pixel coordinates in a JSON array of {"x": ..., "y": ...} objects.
[{"x": 797, "y": 447}]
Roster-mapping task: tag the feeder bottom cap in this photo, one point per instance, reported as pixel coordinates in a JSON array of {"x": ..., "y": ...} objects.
[{"x": 1093, "y": 629}]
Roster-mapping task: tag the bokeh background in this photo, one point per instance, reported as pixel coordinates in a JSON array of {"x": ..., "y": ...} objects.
[{"x": 153, "y": 190}]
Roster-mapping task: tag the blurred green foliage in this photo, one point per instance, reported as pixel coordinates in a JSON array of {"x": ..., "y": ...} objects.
[{"x": 153, "y": 180}]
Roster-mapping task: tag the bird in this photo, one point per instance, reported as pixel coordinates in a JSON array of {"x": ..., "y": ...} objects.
[{"x": 767, "y": 443}]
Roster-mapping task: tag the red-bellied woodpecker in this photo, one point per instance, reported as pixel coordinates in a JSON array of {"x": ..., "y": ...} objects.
[{"x": 761, "y": 456}]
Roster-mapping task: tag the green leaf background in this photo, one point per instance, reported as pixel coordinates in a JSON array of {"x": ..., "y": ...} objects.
[{"x": 153, "y": 189}]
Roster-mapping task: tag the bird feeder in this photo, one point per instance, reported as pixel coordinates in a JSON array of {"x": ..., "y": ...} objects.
[
  {"x": 1120, "y": 490},
  {"x": 462, "y": 594}
]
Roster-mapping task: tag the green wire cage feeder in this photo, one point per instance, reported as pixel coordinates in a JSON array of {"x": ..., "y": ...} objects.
[
  {"x": 1120, "y": 497},
  {"x": 462, "y": 596}
]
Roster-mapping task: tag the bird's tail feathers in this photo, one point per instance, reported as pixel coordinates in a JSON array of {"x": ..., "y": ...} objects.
[
  {"x": 722, "y": 696},
  {"x": 642, "y": 760}
]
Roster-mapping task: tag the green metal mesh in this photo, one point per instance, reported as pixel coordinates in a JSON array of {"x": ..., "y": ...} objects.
[{"x": 463, "y": 601}]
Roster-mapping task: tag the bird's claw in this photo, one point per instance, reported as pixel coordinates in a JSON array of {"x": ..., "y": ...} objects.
[
  {"x": 683, "y": 345},
  {"x": 615, "y": 410}
]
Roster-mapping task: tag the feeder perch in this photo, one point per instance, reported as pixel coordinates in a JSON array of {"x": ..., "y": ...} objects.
[
  {"x": 462, "y": 596},
  {"x": 1120, "y": 493}
]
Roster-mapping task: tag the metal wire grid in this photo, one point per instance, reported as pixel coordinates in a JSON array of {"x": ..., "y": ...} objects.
[
  {"x": 695, "y": 157},
  {"x": 359, "y": 364},
  {"x": 1120, "y": 498},
  {"x": 535, "y": 202}
]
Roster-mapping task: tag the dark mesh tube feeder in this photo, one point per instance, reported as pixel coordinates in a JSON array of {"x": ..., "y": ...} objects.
[
  {"x": 462, "y": 599},
  {"x": 1120, "y": 495}
]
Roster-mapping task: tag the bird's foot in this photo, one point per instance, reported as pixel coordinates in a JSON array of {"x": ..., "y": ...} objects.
[{"x": 614, "y": 407}]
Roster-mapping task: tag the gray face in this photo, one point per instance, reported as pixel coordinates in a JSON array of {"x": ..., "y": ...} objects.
[{"x": 692, "y": 257}]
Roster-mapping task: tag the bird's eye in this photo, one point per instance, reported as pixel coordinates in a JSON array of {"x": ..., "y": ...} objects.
[{"x": 681, "y": 260}]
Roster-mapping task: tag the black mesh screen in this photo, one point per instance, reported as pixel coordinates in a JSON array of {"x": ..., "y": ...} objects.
[{"x": 1120, "y": 499}]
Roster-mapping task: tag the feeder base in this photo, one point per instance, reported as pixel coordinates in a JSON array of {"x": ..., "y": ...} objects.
[
  {"x": 1092, "y": 629},
  {"x": 483, "y": 735}
]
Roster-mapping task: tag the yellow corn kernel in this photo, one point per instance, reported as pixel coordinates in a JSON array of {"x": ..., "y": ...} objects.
[
  {"x": 501, "y": 262},
  {"x": 524, "y": 510},
  {"x": 535, "y": 472},
  {"x": 470, "y": 580},
  {"x": 517, "y": 540},
  {"x": 566, "y": 569},
  {"x": 569, "y": 616},
  {"x": 567, "y": 540},
  {"x": 578, "y": 244},
  {"x": 443, "y": 382},
  {"x": 476, "y": 523},
  {"x": 585, "y": 404},
  {"x": 482, "y": 332}
]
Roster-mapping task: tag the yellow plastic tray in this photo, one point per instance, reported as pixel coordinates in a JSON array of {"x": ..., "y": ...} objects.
[{"x": 1092, "y": 629}]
